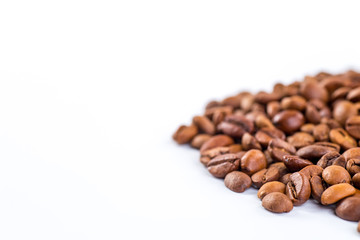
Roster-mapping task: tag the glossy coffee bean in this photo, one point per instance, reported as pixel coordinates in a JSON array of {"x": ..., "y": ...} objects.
[
  {"x": 311, "y": 171},
  {"x": 279, "y": 148},
  {"x": 235, "y": 126},
  {"x": 321, "y": 132},
  {"x": 352, "y": 126},
  {"x": 285, "y": 179},
  {"x": 353, "y": 166},
  {"x": 354, "y": 95},
  {"x": 318, "y": 186},
  {"x": 221, "y": 165},
  {"x": 184, "y": 134},
  {"x": 262, "y": 121},
  {"x": 277, "y": 202},
  {"x": 298, "y": 189},
  {"x": 209, "y": 154},
  {"x": 216, "y": 141},
  {"x": 300, "y": 139},
  {"x": 332, "y": 158},
  {"x": 356, "y": 180},
  {"x": 270, "y": 187},
  {"x": 349, "y": 209},
  {"x": 335, "y": 174},
  {"x": 353, "y": 153},
  {"x": 253, "y": 161},
  {"x": 237, "y": 181},
  {"x": 199, "y": 140},
  {"x": 272, "y": 108},
  {"x": 265, "y": 135},
  {"x": 337, "y": 192},
  {"x": 313, "y": 90},
  {"x": 341, "y": 137},
  {"x": 249, "y": 142},
  {"x": 293, "y": 102},
  {"x": 289, "y": 121},
  {"x": 204, "y": 124},
  {"x": 343, "y": 110},
  {"x": 264, "y": 176},
  {"x": 295, "y": 163}
]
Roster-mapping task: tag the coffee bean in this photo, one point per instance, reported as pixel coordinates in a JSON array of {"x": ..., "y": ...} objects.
[
  {"x": 281, "y": 167},
  {"x": 298, "y": 188},
  {"x": 332, "y": 158},
  {"x": 209, "y": 154},
  {"x": 289, "y": 121},
  {"x": 249, "y": 142},
  {"x": 262, "y": 121},
  {"x": 199, "y": 140},
  {"x": 272, "y": 108},
  {"x": 321, "y": 132},
  {"x": 279, "y": 148},
  {"x": 233, "y": 101},
  {"x": 235, "y": 126},
  {"x": 337, "y": 192},
  {"x": 317, "y": 187},
  {"x": 277, "y": 202},
  {"x": 204, "y": 124},
  {"x": 313, "y": 90},
  {"x": 247, "y": 101},
  {"x": 354, "y": 95},
  {"x": 300, "y": 139},
  {"x": 264, "y": 97},
  {"x": 349, "y": 209},
  {"x": 330, "y": 122},
  {"x": 308, "y": 128},
  {"x": 223, "y": 110},
  {"x": 353, "y": 166},
  {"x": 295, "y": 163},
  {"x": 331, "y": 83},
  {"x": 335, "y": 174},
  {"x": 285, "y": 179},
  {"x": 341, "y": 137},
  {"x": 265, "y": 135},
  {"x": 264, "y": 176},
  {"x": 356, "y": 180},
  {"x": 343, "y": 110},
  {"x": 223, "y": 164},
  {"x": 184, "y": 134},
  {"x": 340, "y": 93},
  {"x": 314, "y": 152},
  {"x": 237, "y": 181},
  {"x": 352, "y": 126},
  {"x": 353, "y": 153},
  {"x": 270, "y": 187},
  {"x": 216, "y": 141},
  {"x": 253, "y": 161},
  {"x": 293, "y": 102},
  {"x": 311, "y": 171}
]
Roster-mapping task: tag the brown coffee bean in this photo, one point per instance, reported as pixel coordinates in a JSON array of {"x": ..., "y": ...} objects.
[
  {"x": 237, "y": 181},
  {"x": 340, "y": 93},
  {"x": 330, "y": 122},
  {"x": 268, "y": 157},
  {"x": 289, "y": 121},
  {"x": 321, "y": 132},
  {"x": 341, "y": 137},
  {"x": 317, "y": 187},
  {"x": 316, "y": 110},
  {"x": 264, "y": 97},
  {"x": 223, "y": 164},
  {"x": 308, "y": 128},
  {"x": 356, "y": 180},
  {"x": 298, "y": 189},
  {"x": 293, "y": 102},
  {"x": 354, "y": 95},
  {"x": 216, "y": 141},
  {"x": 279, "y": 148},
  {"x": 253, "y": 161},
  {"x": 343, "y": 110},
  {"x": 311, "y": 171},
  {"x": 353, "y": 153},
  {"x": 331, "y": 83},
  {"x": 349, "y": 209},
  {"x": 212, "y": 104},
  {"x": 184, "y": 134},
  {"x": 235, "y": 126},
  {"x": 233, "y": 101},
  {"x": 249, "y": 142},
  {"x": 281, "y": 167},
  {"x": 247, "y": 102},
  {"x": 262, "y": 121},
  {"x": 313, "y": 90},
  {"x": 199, "y": 140},
  {"x": 272, "y": 108},
  {"x": 270, "y": 187},
  {"x": 277, "y": 202},
  {"x": 353, "y": 166},
  {"x": 332, "y": 158},
  {"x": 209, "y": 154},
  {"x": 314, "y": 152},
  {"x": 225, "y": 110},
  {"x": 285, "y": 179},
  {"x": 301, "y": 139},
  {"x": 204, "y": 124},
  {"x": 335, "y": 174},
  {"x": 295, "y": 163},
  {"x": 264, "y": 176},
  {"x": 336, "y": 193},
  {"x": 265, "y": 135},
  {"x": 352, "y": 126}
]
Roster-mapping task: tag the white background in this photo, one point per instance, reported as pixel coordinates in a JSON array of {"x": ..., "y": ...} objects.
[{"x": 91, "y": 92}]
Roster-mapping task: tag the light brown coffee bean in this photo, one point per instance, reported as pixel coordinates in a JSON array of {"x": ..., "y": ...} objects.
[
  {"x": 262, "y": 121},
  {"x": 313, "y": 90},
  {"x": 353, "y": 153},
  {"x": 343, "y": 110},
  {"x": 216, "y": 141},
  {"x": 317, "y": 187},
  {"x": 253, "y": 161},
  {"x": 264, "y": 97},
  {"x": 265, "y": 135},
  {"x": 184, "y": 134},
  {"x": 272, "y": 108},
  {"x": 298, "y": 189},
  {"x": 335, "y": 174},
  {"x": 332, "y": 158},
  {"x": 341, "y": 137},
  {"x": 277, "y": 202},
  {"x": 293, "y": 102},
  {"x": 330, "y": 122},
  {"x": 233, "y": 101},
  {"x": 354, "y": 95},
  {"x": 321, "y": 132},
  {"x": 353, "y": 166},
  {"x": 340, "y": 93},
  {"x": 356, "y": 180},
  {"x": 289, "y": 121},
  {"x": 301, "y": 139},
  {"x": 199, "y": 140},
  {"x": 264, "y": 176},
  {"x": 270, "y": 187},
  {"x": 237, "y": 181},
  {"x": 349, "y": 209},
  {"x": 311, "y": 171},
  {"x": 236, "y": 126},
  {"x": 285, "y": 179},
  {"x": 223, "y": 164},
  {"x": 308, "y": 128},
  {"x": 209, "y": 154},
  {"x": 352, "y": 126},
  {"x": 204, "y": 124},
  {"x": 249, "y": 142},
  {"x": 336, "y": 193}
]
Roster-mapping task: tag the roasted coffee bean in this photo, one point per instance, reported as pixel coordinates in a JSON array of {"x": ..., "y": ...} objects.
[
  {"x": 335, "y": 174},
  {"x": 340, "y": 93},
  {"x": 223, "y": 164},
  {"x": 262, "y": 121},
  {"x": 295, "y": 163},
  {"x": 317, "y": 187},
  {"x": 337, "y": 192},
  {"x": 341, "y": 137},
  {"x": 313, "y": 90},
  {"x": 184, "y": 134},
  {"x": 204, "y": 124},
  {"x": 265, "y": 135},
  {"x": 354, "y": 95},
  {"x": 235, "y": 126},
  {"x": 301, "y": 139},
  {"x": 289, "y": 121},
  {"x": 237, "y": 181},
  {"x": 249, "y": 142},
  {"x": 315, "y": 110},
  {"x": 253, "y": 161},
  {"x": 264, "y": 97},
  {"x": 331, "y": 83},
  {"x": 268, "y": 157},
  {"x": 285, "y": 179},
  {"x": 353, "y": 166},
  {"x": 330, "y": 122},
  {"x": 219, "y": 110},
  {"x": 356, "y": 180},
  {"x": 349, "y": 209},
  {"x": 216, "y": 141},
  {"x": 199, "y": 140},
  {"x": 209, "y": 154},
  {"x": 293, "y": 102},
  {"x": 332, "y": 158},
  {"x": 308, "y": 128},
  {"x": 270, "y": 187},
  {"x": 353, "y": 153},
  {"x": 279, "y": 148},
  {"x": 311, "y": 171},
  {"x": 277, "y": 202},
  {"x": 272, "y": 108},
  {"x": 264, "y": 176},
  {"x": 298, "y": 189},
  {"x": 352, "y": 126},
  {"x": 343, "y": 110},
  {"x": 314, "y": 152},
  {"x": 212, "y": 104},
  {"x": 281, "y": 167},
  {"x": 233, "y": 101},
  {"x": 321, "y": 132},
  {"x": 247, "y": 102}
]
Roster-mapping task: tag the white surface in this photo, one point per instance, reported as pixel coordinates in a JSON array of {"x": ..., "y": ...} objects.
[{"x": 91, "y": 92}]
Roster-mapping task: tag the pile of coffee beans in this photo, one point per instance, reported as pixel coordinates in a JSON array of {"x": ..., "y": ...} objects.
[{"x": 299, "y": 141}]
